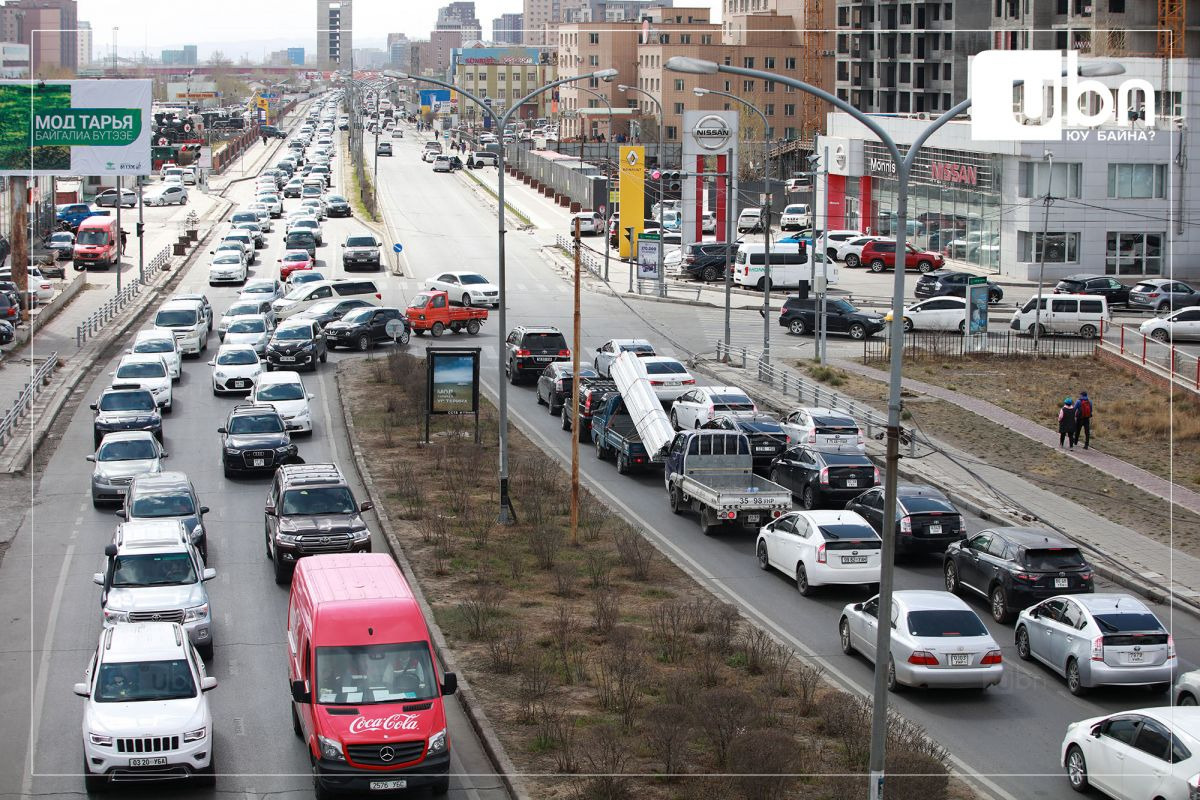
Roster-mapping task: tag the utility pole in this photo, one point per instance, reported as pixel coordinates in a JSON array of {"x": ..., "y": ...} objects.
[
  {"x": 1047, "y": 201},
  {"x": 730, "y": 229},
  {"x": 141, "y": 230},
  {"x": 573, "y": 408},
  {"x": 19, "y": 199},
  {"x": 120, "y": 248},
  {"x": 822, "y": 320}
]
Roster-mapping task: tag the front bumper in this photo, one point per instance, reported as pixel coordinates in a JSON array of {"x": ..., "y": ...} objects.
[
  {"x": 302, "y": 358},
  {"x": 180, "y": 763},
  {"x": 224, "y": 277},
  {"x": 110, "y": 491},
  {"x": 233, "y": 384},
  {"x": 299, "y": 423},
  {"x": 246, "y": 460},
  {"x": 343, "y": 778}
]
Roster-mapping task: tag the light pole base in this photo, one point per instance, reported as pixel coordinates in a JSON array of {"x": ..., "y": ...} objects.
[{"x": 507, "y": 515}]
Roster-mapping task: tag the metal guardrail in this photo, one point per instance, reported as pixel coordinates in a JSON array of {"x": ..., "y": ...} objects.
[
  {"x": 665, "y": 288},
  {"x": 1131, "y": 344},
  {"x": 24, "y": 401},
  {"x": 811, "y": 393},
  {"x": 104, "y": 314},
  {"x": 919, "y": 345},
  {"x": 587, "y": 260}
]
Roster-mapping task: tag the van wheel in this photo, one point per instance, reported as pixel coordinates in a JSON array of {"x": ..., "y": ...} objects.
[
  {"x": 877, "y": 265},
  {"x": 282, "y": 573},
  {"x": 437, "y": 329},
  {"x": 1088, "y": 331},
  {"x": 851, "y": 260},
  {"x": 797, "y": 327},
  {"x": 1041, "y": 330},
  {"x": 296, "y": 723}
]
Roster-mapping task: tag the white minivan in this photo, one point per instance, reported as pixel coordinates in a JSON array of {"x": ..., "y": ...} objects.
[
  {"x": 1081, "y": 314},
  {"x": 308, "y": 294},
  {"x": 789, "y": 268},
  {"x": 187, "y": 322}
]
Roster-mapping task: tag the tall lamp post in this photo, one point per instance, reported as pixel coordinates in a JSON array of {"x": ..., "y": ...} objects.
[
  {"x": 1047, "y": 201},
  {"x": 607, "y": 169},
  {"x": 506, "y": 515},
  {"x": 904, "y": 163},
  {"x": 700, "y": 91},
  {"x": 662, "y": 197}
]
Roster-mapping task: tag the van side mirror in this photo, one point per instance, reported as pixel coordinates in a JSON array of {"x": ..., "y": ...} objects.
[
  {"x": 366, "y": 505},
  {"x": 98, "y": 578},
  {"x": 81, "y": 689},
  {"x": 208, "y": 683},
  {"x": 208, "y": 574},
  {"x": 89, "y": 458},
  {"x": 449, "y": 683},
  {"x": 300, "y": 693}
]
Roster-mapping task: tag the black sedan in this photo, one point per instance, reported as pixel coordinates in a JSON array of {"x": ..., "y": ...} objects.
[
  {"x": 926, "y": 520},
  {"x": 768, "y": 439},
  {"x": 824, "y": 477},
  {"x": 362, "y": 328},
  {"x": 556, "y": 383},
  {"x": 337, "y": 206},
  {"x": 945, "y": 282},
  {"x": 1116, "y": 292}
]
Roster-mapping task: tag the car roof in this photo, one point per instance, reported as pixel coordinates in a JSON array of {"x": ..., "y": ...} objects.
[
  {"x": 153, "y": 534},
  {"x": 955, "y": 298},
  {"x": 919, "y": 490},
  {"x": 152, "y": 333},
  {"x": 229, "y": 347},
  {"x": 622, "y": 342},
  {"x": 1031, "y": 537},
  {"x": 176, "y": 302},
  {"x": 723, "y": 390},
  {"x": 279, "y": 376},
  {"x": 162, "y": 481},
  {"x": 143, "y": 641},
  {"x": 929, "y": 600},
  {"x": 833, "y": 517},
  {"x": 118, "y": 388},
  {"x": 1084, "y": 276},
  {"x": 1101, "y": 602},
  {"x": 136, "y": 358}
]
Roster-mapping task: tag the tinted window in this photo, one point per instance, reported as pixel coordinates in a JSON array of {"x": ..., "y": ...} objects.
[
  {"x": 248, "y": 326},
  {"x": 355, "y": 287},
  {"x": 126, "y": 450},
  {"x": 545, "y": 341},
  {"x": 126, "y": 682},
  {"x": 158, "y": 569},
  {"x": 1121, "y": 622},
  {"x": 178, "y": 504},
  {"x": 175, "y": 318},
  {"x": 846, "y": 460},
  {"x": 1091, "y": 306},
  {"x": 360, "y": 241},
  {"x": 951, "y": 622},
  {"x": 237, "y": 357},
  {"x": 924, "y": 505},
  {"x": 127, "y": 401},
  {"x": 155, "y": 346},
  {"x": 665, "y": 368},
  {"x": 1048, "y": 559},
  {"x": 1122, "y": 729},
  {"x": 848, "y": 532},
  {"x": 294, "y": 332},
  {"x": 255, "y": 423},
  {"x": 280, "y": 391},
  {"x": 323, "y": 500}
]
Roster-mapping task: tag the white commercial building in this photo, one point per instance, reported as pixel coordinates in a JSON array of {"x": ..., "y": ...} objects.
[{"x": 1122, "y": 196}]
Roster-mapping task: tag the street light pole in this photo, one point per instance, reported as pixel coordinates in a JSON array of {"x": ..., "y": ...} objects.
[
  {"x": 662, "y": 197},
  {"x": 1046, "y": 202},
  {"x": 506, "y": 514},
  {"x": 766, "y": 289},
  {"x": 608, "y": 170},
  {"x": 904, "y": 163}
]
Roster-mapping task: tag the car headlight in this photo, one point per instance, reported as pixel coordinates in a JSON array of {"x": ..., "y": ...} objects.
[
  {"x": 219, "y": 374},
  {"x": 195, "y": 736},
  {"x": 307, "y": 346},
  {"x": 195, "y": 613},
  {"x": 287, "y": 538},
  {"x": 113, "y": 616},
  {"x": 100, "y": 739},
  {"x": 437, "y": 743},
  {"x": 331, "y": 749},
  {"x": 361, "y": 536},
  {"x": 231, "y": 451}
]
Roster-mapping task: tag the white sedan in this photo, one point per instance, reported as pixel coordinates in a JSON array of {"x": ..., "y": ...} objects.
[
  {"x": 1147, "y": 752},
  {"x": 590, "y": 223},
  {"x": 703, "y": 404},
  {"x": 149, "y": 371},
  {"x": 669, "y": 378},
  {"x": 467, "y": 288},
  {"x": 821, "y": 548},
  {"x": 168, "y": 194},
  {"x": 161, "y": 343},
  {"x": 285, "y": 391},
  {"x": 935, "y": 314},
  {"x": 1180, "y": 325},
  {"x": 236, "y": 368},
  {"x": 850, "y": 250}
]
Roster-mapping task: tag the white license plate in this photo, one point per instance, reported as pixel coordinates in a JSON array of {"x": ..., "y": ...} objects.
[
  {"x": 1061, "y": 583},
  {"x": 959, "y": 659},
  {"x": 752, "y": 518},
  {"x": 545, "y": 358},
  {"x": 388, "y": 785},
  {"x": 241, "y": 384},
  {"x": 287, "y": 358},
  {"x": 934, "y": 530},
  {"x": 851, "y": 483},
  {"x": 258, "y": 462},
  {"x": 1135, "y": 657},
  {"x": 148, "y": 762},
  {"x": 854, "y": 559},
  {"x": 764, "y": 449}
]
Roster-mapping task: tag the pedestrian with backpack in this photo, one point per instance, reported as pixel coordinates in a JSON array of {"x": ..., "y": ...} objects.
[
  {"x": 1083, "y": 419},
  {"x": 1066, "y": 423}
]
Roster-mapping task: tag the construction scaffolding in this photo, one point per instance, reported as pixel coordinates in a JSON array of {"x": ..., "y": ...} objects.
[
  {"x": 816, "y": 49},
  {"x": 1172, "y": 20}
]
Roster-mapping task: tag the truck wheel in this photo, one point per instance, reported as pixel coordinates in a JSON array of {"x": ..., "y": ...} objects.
[
  {"x": 420, "y": 332},
  {"x": 600, "y": 454},
  {"x": 473, "y": 327},
  {"x": 707, "y": 523},
  {"x": 622, "y": 464},
  {"x": 437, "y": 329},
  {"x": 674, "y": 499}
]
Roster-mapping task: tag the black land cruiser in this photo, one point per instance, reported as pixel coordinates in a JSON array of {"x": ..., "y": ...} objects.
[
  {"x": 310, "y": 509},
  {"x": 254, "y": 438},
  {"x": 529, "y": 348}
]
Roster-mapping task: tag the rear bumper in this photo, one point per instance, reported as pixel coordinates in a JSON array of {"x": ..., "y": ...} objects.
[
  {"x": 1097, "y": 673},
  {"x": 337, "y": 777},
  {"x": 907, "y": 543},
  {"x": 947, "y": 677}
]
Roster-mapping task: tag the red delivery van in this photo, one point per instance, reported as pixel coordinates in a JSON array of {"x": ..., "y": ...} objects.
[
  {"x": 366, "y": 687},
  {"x": 97, "y": 243}
]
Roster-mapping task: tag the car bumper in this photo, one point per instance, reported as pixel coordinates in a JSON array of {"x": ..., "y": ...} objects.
[
  {"x": 826, "y": 575},
  {"x": 104, "y": 491},
  {"x": 288, "y": 553},
  {"x": 233, "y": 384},
  {"x": 1097, "y": 673},
  {"x": 293, "y": 360},
  {"x": 907, "y": 543},
  {"x": 226, "y": 277},
  {"x": 239, "y": 463},
  {"x": 827, "y": 494},
  {"x": 180, "y": 764},
  {"x": 948, "y": 677},
  {"x": 100, "y": 433},
  {"x": 531, "y": 366},
  {"x": 343, "y": 778}
]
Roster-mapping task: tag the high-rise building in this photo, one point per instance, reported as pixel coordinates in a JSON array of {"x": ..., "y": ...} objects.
[
  {"x": 295, "y": 56},
  {"x": 460, "y": 16},
  {"x": 335, "y": 37},
  {"x": 186, "y": 56},
  {"x": 397, "y": 50},
  {"x": 442, "y": 45},
  {"x": 1103, "y": 29},
  {"x": 84, "y": 55},
  {"x": 508, "y": 29},
  {"x": 49, "y": 27}
]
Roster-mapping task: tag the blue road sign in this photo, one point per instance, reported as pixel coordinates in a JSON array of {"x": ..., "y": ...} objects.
[{"x": 397, "y": 248}]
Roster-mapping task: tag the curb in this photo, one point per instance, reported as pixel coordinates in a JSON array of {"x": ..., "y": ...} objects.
[
  {"x": 505, "y": 769},
  {"x": 494, "y": 198}
]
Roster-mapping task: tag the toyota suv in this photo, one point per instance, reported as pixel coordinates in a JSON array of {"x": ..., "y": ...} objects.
[
  {"x": 254, "y": 438},
  {"x": 310, "y": 509},
  {"x": 360, "y": 250},
  {"x": 530, "y": 348},
  {"x": 125, "y": 407},
  {"x": 154, "y": 573}
]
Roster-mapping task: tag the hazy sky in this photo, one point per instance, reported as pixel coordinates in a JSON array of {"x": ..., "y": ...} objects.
[{"x": 254, "y": 27}]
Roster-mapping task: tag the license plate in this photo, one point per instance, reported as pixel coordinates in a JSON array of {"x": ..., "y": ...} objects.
[
  {"x": 764, "y": 449},
  {"x": 851, "y": 483},
  {"x": 545, "y": 358},
  {"x": 241, "y": 384},
  {"x": 258, "y": 462},
  {"x": 148, "y": 762},
  {"x": 1135, "y": 657},
  {"x": 752, "y": 518},
  {"x": 854, "y": 559},
  {"x": 1061, "y": 583},
  {"x": 959, "y": 659},
  {"x": 287, "y": 358},
  {"x": 934, "y": 530},
  {"x": 388, "y": 785}
]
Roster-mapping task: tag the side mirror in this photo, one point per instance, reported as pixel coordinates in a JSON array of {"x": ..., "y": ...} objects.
[
  {"x": 98, "y": 578},
  {"x": 449, "y": 683},
  {"x": 208, "y": 574},
  {"x": 222, "y": 430},
  {"x": 110, "y": 550},
  {"x": 164, "y": 454},
  {"x": 300, "y": 693},
  {"x": 208, "y": 683},
  {"x": 269, "y": 510},
  {"x": 857, "y": 606},
  {"x": 203, "y": 509},
  {"x": 365, "y": 505},
  {"x": 311, "y": 395},
  {"x": 81, "y": 689},
  {"x": 120, "y": 513},
  {"x": 89, "y": 458},
  {"x": 92, "y": 406},
  {"x": 1095, "y": 730}
]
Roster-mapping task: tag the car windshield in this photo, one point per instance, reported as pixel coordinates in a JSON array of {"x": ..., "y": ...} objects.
[
  {"x": 336, "y": 198},
  {"x": 1050, "y": 559},
  {"x": 255, "y": 423},
  {"x": 296, "y": 237},
  {"x": 944, "y": 623},
  {"x": 248, "y": 326},
  {"x": 358, "y": 315},
  {"x": 665, "y": 368},
  {"x": 360, "y": 241},
  {"x": 321, "y": 500},
  {"x": 92, "y": 237},
  {"x": 237, "y": 358},
  {"x": 127, "y": 450},
  {"x": 240, "y": 309},
  {"x": 848, "y": 532},
  {"x": 305, "y": 222},
  {"x": 280, "y": 391},
  {"x": 244, "y": 216},
  {"x": 62, "y": 238},
  {"x": 379, "y": 673},
  {"x": 258, "y": 288},
  {"x": 154, "y": 569},
  {"x": 142, "y": 369},
  {"x": 924, "y": 505},
  {"x": 127, "y": 401},
  {"x": 144, "y": 681},
  {"x": 175, "y": 318},
  {"x": 294, "y": 332},
  {"x": 155, "y": 346},
  {"x": 1127, "y": 622},
  {"x": 296, "y": 257},
  {"x": 163, "y": 504}
]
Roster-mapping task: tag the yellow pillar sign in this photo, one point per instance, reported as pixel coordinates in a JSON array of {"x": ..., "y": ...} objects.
[
  {"x": 263, "y": 103},
  {"x": 632, "y": 185}
]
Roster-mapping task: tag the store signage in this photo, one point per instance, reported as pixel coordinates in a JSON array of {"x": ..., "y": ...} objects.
[
  {"x": 881, "y": 166},
  {"x": 712, "y": 132},
  {"x": 950, "y": 172}
]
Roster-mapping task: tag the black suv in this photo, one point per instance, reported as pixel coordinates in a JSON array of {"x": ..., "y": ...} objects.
[
  {"x": 767, "y": 437},
  {"x": 1116, "y": 292},
  {"x": 125, "y": 407},
  {"x": 254, "y": 438},
  {"x": 926, "y": 520},
  {"x": 707, "y": 261},
  {"x": 822, "y": 477},
  {"x": 529, "y": 348},
  {"x": 592, "y": 393},
  {"x": 799, "y": 316},
  {"x": 297, "y": 343},
  {"x": 945, "y": 282},
  {"x": 301, "y": 239},
  {"x": 310, "y": 509},
  {"x": 365, "y": 327},
  {"x": 1015, "y": 568}
]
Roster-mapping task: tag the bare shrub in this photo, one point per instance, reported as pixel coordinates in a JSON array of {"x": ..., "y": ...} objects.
[
  {"x": 534, "y": 684},
  {"x": 807, "y": 681},
  {"x": 605, "y": 611},
  {"x": 722, "y": 714},
  {"x": 621, "y": 673},
  {"x": 670, "y": 631},
  {"x": 505, "y": 645},
  {"x": 777, "y": 666},
  {"x": 767, "y": 762},
  {"x": 385, "y": 428},
  {"x": 481, "y": 610},
  {"x": 593, "y": 519},
  {"x": 848, "y": 720},
  {"x": 564, "y": 637},
  {"x": 634, "y": 552},
  {"x": 708, "y": 660},
  {"x": 755, "y": 644},
  {"x": 667, "y": 729},
  {"x": 556, "y": 731},
  {"x": 608, "y": 753},
  {"x": 411, "y": 492},
  {"x": 680, "y": 689},
  {"x": 514, "y": 557},
  {"x": 916, "y": 765},
  {"x": 566, "y": 576},
  {"x": 599, "y": 569},
  {"x": 545, "y": 538},
  {"x": 435, "y": 529}
]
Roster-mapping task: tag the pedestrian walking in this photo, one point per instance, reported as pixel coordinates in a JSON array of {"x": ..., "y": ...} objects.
[
  {"x": 1066, "y": 423},
  {"x": 1083, "y": 420}
]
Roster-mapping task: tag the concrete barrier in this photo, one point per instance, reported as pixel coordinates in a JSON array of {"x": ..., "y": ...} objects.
[{"x": 48, "y": 311}]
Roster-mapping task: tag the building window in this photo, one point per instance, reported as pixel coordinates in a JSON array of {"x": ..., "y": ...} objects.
[
  {"x": 768, "y": 62},
  {"x": 1133, "y": 253},
  {"x": 500, "y": 94},
  {"x": 706, "y": 38},
  {"x": 1033, "y": 177},
  {"x": 672, "y": 132},
  {"x": 769, "y": 109},
  {"x": 501, "y": 77},
  {"x": 679, "y": 84},
  {"x": 949, "y": 11},
  {"x": 594, "y": 61},
  {"x": 593, "y": 38},
  {"x": 679, "y": 108},
  {"x": 789, "y": 109},
  {"x": 747, "y": 86},
  {"x": 1061, "y": 248},
  {"x": 1116, "y": 6},
  {"x": 685, "y": 38},
  {"x": 790, "y": 133},
  {"x": 789, "y": 63},
  {"x": 748, "y": 62},
  {"x": 768, "y": 86},
  {"x": 1136, "y": 181}
]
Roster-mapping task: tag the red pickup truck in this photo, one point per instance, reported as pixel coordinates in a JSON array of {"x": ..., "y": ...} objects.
[{"x": 432, "y": 311}]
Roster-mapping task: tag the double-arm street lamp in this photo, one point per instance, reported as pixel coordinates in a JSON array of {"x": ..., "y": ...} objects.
[
  {"x": 766, "y": 219},
  {"x": 662, "y": 198},
  {"x": 904, "y": 163},
  {"x": 506, "y": 515}
]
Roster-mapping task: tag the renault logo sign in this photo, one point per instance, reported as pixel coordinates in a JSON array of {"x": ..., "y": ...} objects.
[
  {"x": 712, "y": 132},
  {"x": 632, "y": 158}
]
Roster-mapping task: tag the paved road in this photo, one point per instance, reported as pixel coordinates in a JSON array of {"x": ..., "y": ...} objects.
[{"x": 1011, "y": 733}]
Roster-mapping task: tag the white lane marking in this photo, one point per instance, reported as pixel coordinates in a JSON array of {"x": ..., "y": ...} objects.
[
  {"x": 462, "y": 776},
  {"x": 39, "y": 692}
]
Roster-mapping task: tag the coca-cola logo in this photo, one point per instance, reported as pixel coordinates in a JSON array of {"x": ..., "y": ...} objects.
[{"x": 396, "y": 722}]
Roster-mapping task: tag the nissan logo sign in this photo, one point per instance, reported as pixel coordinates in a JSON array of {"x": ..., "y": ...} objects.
[{"x": 712, "y": 132}]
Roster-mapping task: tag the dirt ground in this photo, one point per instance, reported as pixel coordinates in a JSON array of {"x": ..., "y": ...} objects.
[
  {"x": 599, "y": 656},
  {"x": 1031, "y": 387}
]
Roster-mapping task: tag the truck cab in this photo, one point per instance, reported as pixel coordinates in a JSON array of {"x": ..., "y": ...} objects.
[{"x": 432, "y": 311}]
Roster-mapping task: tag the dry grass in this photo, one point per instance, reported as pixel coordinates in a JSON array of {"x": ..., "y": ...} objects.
[{"x": 601, "y": 656}]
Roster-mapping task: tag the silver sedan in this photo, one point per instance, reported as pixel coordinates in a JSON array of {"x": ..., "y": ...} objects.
[{"x": 121, "y": 457}]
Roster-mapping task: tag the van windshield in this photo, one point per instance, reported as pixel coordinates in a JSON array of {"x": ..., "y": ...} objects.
[
  {"x": 176, "y": 318},
  {"x": 378, "y": 673},
  {"x": 92, "y": 237}
]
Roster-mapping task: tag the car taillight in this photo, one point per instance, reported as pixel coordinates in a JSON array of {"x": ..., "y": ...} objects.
[
  {"x": 812, "y": 438},
  {"x": 876, "y": 476},
  {"x": 1026, "y": 577},
  {"x": 1152, "y": 294},
  {"x": 689, "y": 259},
  {"x": 787, "y": 439},
  {"x": 1170, "y": 646},
  {"x": 1085, "y": 576},
  {"x": 656, "y": 383},
  {"x": 564, "y": 352},
  {"x": 1098, "y": 648},
  {"x": 906, "y": 524},
  {"x": 825, "y": 475},
  {"x": 378, "y": 296},
  {"x": 522, "y": 352},
  {"x": 689, "y": 381},
  {"x": 993, "y": 657},
  {"x": 923, "y": 658},
  {"x": 822, "y": 557}
]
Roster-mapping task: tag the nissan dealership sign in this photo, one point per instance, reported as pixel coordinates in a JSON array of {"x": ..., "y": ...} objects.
[
  {"x": 710, "y": 145},
  {"x": 712, "y": 133}
]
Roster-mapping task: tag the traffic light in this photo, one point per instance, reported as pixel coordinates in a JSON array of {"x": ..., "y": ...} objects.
[{"x": 672, "y": 181}]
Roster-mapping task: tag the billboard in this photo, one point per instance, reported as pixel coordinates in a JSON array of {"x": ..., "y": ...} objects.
[
  {"x": 489, "y": 56},
  {"x": 432, "y": 98},
  {"x": 192, "y": 90},
  {"x": 710, "y": 143},
  {"x": 98, "y": 127},
  {"x": 632, "y": 185},
  {"x": 453, "y": 381}
]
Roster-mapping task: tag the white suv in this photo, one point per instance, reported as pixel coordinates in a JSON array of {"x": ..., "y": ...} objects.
[{"x": 146, "y": 714}]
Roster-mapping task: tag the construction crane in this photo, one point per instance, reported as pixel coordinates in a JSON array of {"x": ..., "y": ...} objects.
[
  {"x": 1172, "y": 16},
  {"x": 815, "y": 54}
]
